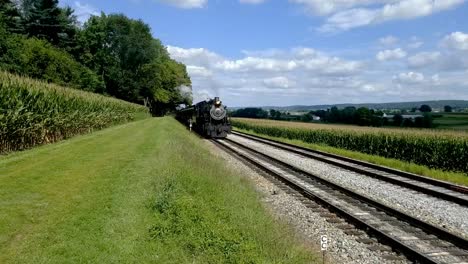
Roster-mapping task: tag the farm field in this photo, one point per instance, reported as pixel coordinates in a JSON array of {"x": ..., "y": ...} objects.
[
  {"x": 34, "y": 112},
  {"x": 455, "y": 121},
  {"x": 399, "y": 146},
  {"x": 147, "y": 191}
]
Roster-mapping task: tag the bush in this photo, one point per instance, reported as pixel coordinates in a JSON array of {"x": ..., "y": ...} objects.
[{"x": 39, "y": 59}]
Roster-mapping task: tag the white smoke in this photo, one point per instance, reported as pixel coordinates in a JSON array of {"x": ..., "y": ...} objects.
[
  {"x": 202, "y": 95},
  {"x": 185, "y": 92}
]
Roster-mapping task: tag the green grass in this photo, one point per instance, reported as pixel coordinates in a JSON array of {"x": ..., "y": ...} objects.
[
  {"x": 458, "y": 178},
  {"x": 143, "y": 192},
  {"x": 455, "y": 121}
]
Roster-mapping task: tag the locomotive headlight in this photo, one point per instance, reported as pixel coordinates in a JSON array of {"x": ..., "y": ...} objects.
[{"x": 218, "y": 103}]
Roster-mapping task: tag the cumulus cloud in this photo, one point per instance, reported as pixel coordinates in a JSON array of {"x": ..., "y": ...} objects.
[
  {"x": 304, "y": 75},
  {"x": 423, "y": 59},
  {"x": 84, "y": 11},
  {"x": 409, "y": 78},
  {"x": 348, "y": 14},
  {"x": 198, "y": 71},
  {"x": 394, "y": 54},
  {"x": 194, "y": 56},
  {"x": 388, "y": 40},
  {"x": 457, "y": 40},
  {"x": 320, "y": 7},
  {"x": 251, "y": 1},
  {"x": 268, "y": 71},
  {"x": 185, "y": 3},
  {"x": 278, "y": 82}
]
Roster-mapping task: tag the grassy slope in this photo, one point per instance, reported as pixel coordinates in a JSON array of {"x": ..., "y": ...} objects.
[
  {"x": 458, "y": 178},
  {"x": 141, "y": 192}
]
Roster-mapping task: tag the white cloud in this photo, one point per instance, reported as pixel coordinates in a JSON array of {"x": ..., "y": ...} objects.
[
  {"x": 423, "y": 59},
  {"x": 394, "y": 54},
  {"x": 388, "y": 40},
  {"x": 194, "y": 56},
  {"x": 269, "y": 71},
  {"x": 351, "y": 14},
  {"x": 457, "y": 40},
  {"x": 198, "y": 71},
  {"x": 251, "y": 1},
  {"x": 84, "y": 11},
  {"x": 305, "y": 75},
  {"x": 321, "y": 7},
  {"x": 409, "y": 78},
  {"x": 279, "y": 82},
  {"x": 256, "y": 63},
  {"x": 185, "y": 3},
  {"x": 415, "y": 44}
]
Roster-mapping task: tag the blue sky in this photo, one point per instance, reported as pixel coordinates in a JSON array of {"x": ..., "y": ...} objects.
[{"x": 284, "y": 52}]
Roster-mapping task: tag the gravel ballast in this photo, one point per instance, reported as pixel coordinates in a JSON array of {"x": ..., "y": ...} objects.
[
  {"x": 442, "y": 213},
  {"x": 308, "y": 223}
]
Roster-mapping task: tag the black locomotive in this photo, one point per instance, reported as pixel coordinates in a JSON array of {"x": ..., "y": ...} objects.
[{"x": 208, "y": 118}]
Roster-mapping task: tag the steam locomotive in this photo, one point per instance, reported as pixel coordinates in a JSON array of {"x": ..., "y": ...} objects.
[{"x": 209, "y": 118}]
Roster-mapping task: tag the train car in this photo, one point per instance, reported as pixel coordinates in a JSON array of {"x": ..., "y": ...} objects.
[{"x": 209, "y": 118}]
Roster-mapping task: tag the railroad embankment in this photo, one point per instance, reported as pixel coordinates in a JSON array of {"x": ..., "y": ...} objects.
[{"x": 147, "y": 191}]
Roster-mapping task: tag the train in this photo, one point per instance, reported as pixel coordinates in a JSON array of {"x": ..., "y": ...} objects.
[{"x": 209, "y": 118}]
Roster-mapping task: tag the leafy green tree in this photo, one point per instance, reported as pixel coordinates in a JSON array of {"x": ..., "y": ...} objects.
[
  {"x": 363, "y": 116},
  {"x": 135, "y": 66},
  {"x": 425, "y": 108},
  {"x": 397, "y": 120},
  {"x": 448, "y": 109},
  {"x": 407, "y": 122}
]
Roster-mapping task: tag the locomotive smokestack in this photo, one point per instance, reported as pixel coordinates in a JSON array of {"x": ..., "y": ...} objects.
[{"x": 217, "y": 101}]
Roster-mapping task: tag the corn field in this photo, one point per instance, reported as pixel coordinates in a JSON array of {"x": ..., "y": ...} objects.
[
  {"x": 435, "y": 150},
  {"x": 34, "y": 113}
]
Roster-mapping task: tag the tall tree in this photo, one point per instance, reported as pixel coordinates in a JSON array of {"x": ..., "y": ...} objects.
[
  {"x": 134, "y": 65},
  {"x": 46, "y": 20},
  {"x": 10, "y": 16}
]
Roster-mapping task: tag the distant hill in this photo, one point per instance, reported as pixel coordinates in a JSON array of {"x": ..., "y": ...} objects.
[{"x": 395, "y": 105}]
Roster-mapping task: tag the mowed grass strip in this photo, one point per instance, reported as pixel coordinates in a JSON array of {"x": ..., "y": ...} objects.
[
  {"x": 455, "y": 177},
  {"x": 143, "y": 192}
]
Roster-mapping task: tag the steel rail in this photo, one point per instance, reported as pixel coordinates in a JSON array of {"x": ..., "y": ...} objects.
[
  {"x": 451, "y": 192},
  {"x": 409, "y": 251}
]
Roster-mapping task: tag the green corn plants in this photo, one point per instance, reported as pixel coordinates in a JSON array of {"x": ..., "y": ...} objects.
[
  {"x": 34, "y": 112},
  {"x": 433, "y": 149}
]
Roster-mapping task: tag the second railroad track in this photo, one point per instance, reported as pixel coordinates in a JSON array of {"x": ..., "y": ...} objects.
[{"x": 419, "y": 241}]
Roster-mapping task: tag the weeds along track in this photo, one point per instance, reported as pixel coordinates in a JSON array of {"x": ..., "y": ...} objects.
[
  {"x": 418, "y": 240},
  {"x": 440, "y": 189}
]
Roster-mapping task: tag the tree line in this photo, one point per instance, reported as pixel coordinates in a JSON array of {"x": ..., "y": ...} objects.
[
  {"x": 361, "y": 116},
  {"x": 109, "y": 54}
]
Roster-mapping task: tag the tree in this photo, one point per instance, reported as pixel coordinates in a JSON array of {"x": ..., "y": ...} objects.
[
  {"x": 10, "y": 16},
  {"x": 427, "y": 120},
  {"x": 275, "y": 114},
  {"x": 363, "y": 116},
  {"x": 425, "y": 108},
  {"x": 448, "y": 109},
  {"x": 250, "y": 112},
  {"x": 407, "y": 122},
  {"x": 44, "y": 19},
  {"x": 134, "y": 65},
  {"x": 397, "y": 119}
]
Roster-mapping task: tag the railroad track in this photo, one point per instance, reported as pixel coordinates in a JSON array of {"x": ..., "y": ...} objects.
[
  {"x": 417, "y": 240},
  {"x": 440, "y": 189}
]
